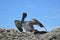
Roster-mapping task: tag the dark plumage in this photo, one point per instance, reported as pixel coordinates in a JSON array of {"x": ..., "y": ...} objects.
[
  {"x": 18, "y": 25},
  {"x": 39, "y": 32},
  {"x": 37, "y": 22}
]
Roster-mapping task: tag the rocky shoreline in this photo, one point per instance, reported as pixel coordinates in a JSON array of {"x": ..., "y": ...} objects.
[{"x": 12, "y": 34}]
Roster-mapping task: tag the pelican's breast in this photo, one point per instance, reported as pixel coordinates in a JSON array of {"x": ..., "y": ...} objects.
[{"x": 27, "y": 26}]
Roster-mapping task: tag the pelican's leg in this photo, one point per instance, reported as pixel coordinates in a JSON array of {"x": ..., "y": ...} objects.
[{"x": 18, "y": 25}]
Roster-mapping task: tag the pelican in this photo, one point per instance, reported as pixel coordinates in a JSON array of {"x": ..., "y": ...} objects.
[{"x": 28, "y": 25}]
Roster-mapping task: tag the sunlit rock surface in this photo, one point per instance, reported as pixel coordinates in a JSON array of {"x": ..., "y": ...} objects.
[{"x": 12, "y": 34}]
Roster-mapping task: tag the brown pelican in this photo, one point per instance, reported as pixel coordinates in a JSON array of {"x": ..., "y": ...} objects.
[{"x": 28, "y": 25}]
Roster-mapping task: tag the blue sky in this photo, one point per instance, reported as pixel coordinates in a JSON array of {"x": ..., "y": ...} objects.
[{"x": 46, "y": 11}]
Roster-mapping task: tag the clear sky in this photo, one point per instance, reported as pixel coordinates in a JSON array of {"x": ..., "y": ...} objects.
[{"x": 46, "y": 11}]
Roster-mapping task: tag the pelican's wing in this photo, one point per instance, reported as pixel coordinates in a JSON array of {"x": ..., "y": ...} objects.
[
  {"x": 18, "y": 25},
  {"x": 38, "y": 23}
]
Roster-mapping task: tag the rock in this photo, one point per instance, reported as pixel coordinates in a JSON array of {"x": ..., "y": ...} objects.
[
  {"x": 12, "y": 34},
  {"x": 53, "y": 35}
]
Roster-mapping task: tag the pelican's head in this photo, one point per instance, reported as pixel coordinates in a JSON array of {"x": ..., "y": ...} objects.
[{"x": 24, "y": 14}]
